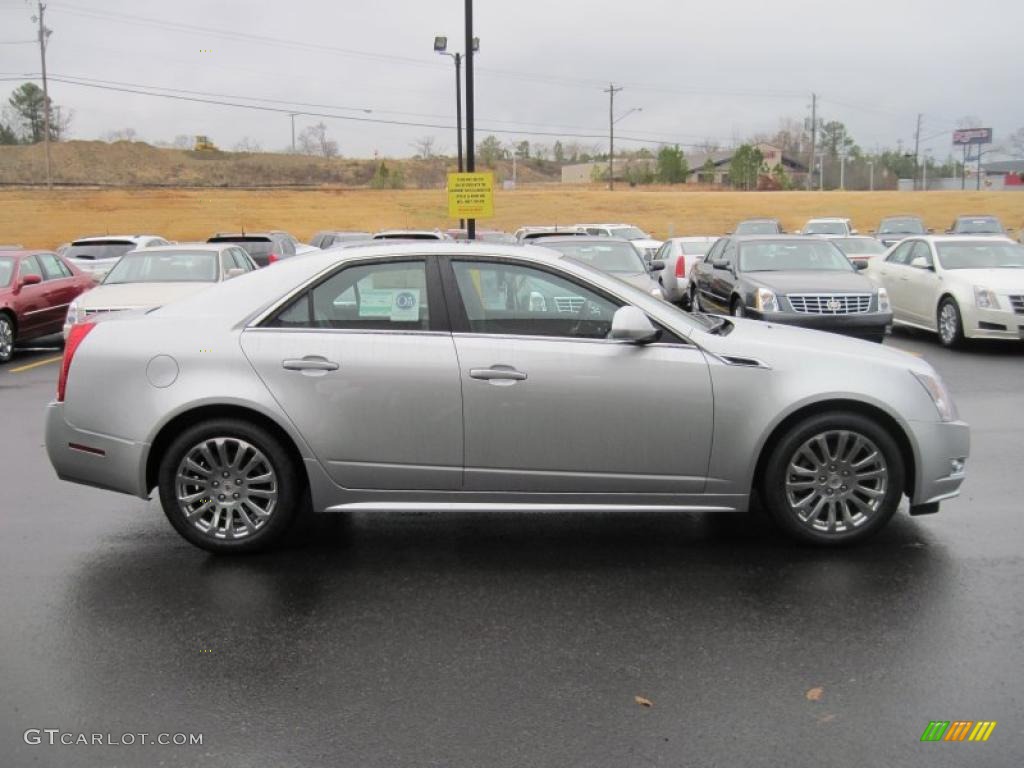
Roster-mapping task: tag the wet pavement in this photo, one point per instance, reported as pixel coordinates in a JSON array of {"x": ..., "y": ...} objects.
[{"x": 515, "y": 640}]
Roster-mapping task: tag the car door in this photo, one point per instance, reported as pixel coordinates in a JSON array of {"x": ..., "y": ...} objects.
[
  {"x": 60, "y": 289},
  {"x": 922, "y": 285},
  {"x": 892, "y": 274},
  {"x": 552, "y": 406},
  {"x": 703, "y": 273},
  {"x": 363, "y": 363},
  {"x": 723, "y": 278},
  {"x": 33, "y": 304}
]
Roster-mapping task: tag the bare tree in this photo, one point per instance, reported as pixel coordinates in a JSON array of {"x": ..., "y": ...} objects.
[
  {"x": 314, "y": 141},
  {"x": 709, "y": 146},
  {"x": 424, "y": 147},
  {"x": 1015, "y": 144},
  {"x": 181, "y": 141},
  {"x": 248, "y": 145},
  {"x": 125, "y": 134}
]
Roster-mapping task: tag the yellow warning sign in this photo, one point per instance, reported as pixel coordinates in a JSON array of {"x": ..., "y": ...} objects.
[{"x": 471, "y": 195}]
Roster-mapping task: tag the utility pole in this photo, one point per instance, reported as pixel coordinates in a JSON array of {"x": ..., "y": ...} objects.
[
  {"x": 43, "y": 34},
  {"x": 470, "y": 146},
  {"x": 814, "y": 132},
  {"x": 917, "y": 145},
  {"x": 292, "y": 115},
  {"x": 611, "y": 90},
  {"x": 871, "y": 172},
  {"x": 842, "y": 171}
]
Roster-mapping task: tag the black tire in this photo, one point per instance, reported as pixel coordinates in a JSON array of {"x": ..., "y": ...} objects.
[
  {"x": 954, "y": 338},
  {"x": 290, "y": 486},
  {"x": 8, "y": 335},
  {"x": 776, "y": 473},
  {"x": 737, "y": 309},
  {"x": 695, "y": 305}
]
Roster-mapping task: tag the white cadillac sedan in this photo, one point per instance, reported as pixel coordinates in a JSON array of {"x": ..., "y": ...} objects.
[
  {"x": 960, "y": 286},
  {"x": 151, "y": 277},
  {"x": 450, "y": 376}
]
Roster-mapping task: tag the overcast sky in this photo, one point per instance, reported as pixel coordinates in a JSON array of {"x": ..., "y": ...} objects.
[{"x": 722, "y": 70}]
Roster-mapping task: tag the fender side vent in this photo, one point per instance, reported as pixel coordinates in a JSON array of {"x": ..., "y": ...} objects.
[{"x": 745, "y": 362}]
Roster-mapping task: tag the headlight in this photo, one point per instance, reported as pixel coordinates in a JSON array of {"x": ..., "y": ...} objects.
[
  {"x": 939, "y": 394},
  {"x": 766, "y": 301},
  {"x": 75, "y": 313},
  {"x": 883, "y": 300},
  {"x": 985, "y": 298}
]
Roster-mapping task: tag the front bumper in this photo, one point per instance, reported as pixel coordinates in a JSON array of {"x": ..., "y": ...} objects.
[
  {"x": 864, "y": 325},
  {"x": 90, "y": 458},
  {"x": 993, "y": 323},
  {"x": 939, "y": 445}
]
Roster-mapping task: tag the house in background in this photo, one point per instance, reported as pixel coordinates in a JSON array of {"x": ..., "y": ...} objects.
[{"x": 773, "y": 157}]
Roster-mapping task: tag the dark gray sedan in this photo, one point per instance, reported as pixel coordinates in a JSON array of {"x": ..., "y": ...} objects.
[{"x": 792, "y": 280}]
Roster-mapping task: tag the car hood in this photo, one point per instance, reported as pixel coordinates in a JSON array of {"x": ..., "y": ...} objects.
[
  {"x": 811, "y": 281},
  {"x": 1011, "y": 280},
  {"x": 126, "y": 295},
  {"x": 640, "y": 280}
]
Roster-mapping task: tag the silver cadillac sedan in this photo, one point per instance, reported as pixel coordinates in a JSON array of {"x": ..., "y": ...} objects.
[{"x": 441, "y": 376}]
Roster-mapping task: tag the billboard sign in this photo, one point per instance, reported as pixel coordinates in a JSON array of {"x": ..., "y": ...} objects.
[{"x": 967, "y": 136}]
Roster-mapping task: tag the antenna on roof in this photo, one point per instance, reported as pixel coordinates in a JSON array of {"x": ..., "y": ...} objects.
[{"x": 243, "y": 230}]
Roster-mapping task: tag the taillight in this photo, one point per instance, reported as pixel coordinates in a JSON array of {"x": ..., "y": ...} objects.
[
  {"x": 78, "y": 332},
  {"x": 681, "y": 266},
  {"x": 271, "y": 259}
]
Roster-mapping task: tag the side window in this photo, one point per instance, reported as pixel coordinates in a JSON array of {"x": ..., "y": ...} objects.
[
  {"x": 502, "y": 298},
  {"x": 714, "y": 250},
  {"x": 227, "y": 261},
  {"x": 901, "y": 255},
  {"x": 922, "y": 250},
  {"x": 52, "y": 267},
  {"x": 30, "y": 266},
  {"x": 729, "y": 254},
  {"x": 241, "y": 259},
  {"x": 289, "y": 246},
  {"x": 382, "y": 296},
  {"x": 594, "y": 231}
]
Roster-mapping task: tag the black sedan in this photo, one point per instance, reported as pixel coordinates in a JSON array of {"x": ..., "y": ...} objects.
[{"x": 790, "y": 279}]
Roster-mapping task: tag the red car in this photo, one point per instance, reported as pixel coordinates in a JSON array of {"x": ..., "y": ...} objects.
[{"x": 35, "y": 290}]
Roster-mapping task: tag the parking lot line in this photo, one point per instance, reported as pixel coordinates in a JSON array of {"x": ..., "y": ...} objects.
[{"x": 36, "y": 364}]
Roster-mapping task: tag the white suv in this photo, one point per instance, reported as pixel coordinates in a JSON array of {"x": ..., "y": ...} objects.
[
  {"x": 644, "y": 243},
  {"x": 829, "y": 226},
  {"x": 96, "y": 255}
]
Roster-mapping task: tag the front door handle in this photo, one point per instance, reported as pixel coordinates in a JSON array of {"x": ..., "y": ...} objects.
[
  {"x": 310, "y": 363},
  {"x": 497, "y": 373}
]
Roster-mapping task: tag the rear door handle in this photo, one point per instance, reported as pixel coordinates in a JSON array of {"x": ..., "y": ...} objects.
[
  {"x": 497, "y": 373},
  {"x": 310, "y": 363}
]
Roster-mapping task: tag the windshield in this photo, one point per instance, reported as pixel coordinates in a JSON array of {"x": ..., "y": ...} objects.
[
  {"x": 850, "y": 245},
  {"x": 825, "y": 228},
  {"x": 788, "y": 256},
  {"x": 907, "y": 226},
  {"x": 981, "y": 255},
  {"x": 616, "y": 258},
  {"x": 629, "y": 233},
  {"x": 164, "y": 267},
  {"x": 757, "y": 228},
  {"x": 6, "y": 270},
  {"x": 979, "y": 226},
  {"x": 695, "y": 247},
  {"x": 100, "y": 250}
]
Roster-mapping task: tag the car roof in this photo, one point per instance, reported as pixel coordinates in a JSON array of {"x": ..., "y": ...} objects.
[
  {"x": 213, "y": 247},
  {"x": 829, "y": 218},
  {"x": 976, "y": 216},
  {"x": 965, "y": 238},
  {"x": 242, "y": 235},
  {"x": 760, "y": 218},
  {"x": 776, "y": 238},
  {"x": 584, "y": 239},
  {"x": 106, "y": 238},
  {"x": 901, "y": 216},
  {"x": 694, "y": 238},
  {"x": 23, "y": 253}
]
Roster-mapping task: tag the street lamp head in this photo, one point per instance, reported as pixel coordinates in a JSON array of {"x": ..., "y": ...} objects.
[{"x": 440, "y": 44}]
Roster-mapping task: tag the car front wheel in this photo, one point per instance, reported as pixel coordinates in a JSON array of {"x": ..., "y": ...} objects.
[
  {"x": 951, "y": 327},
  {"x": 229, "y": 486},
  {"x": 738, "y": 310},
  {"x": 834, "y": 478},
  {"x": 6, "y": 338}
]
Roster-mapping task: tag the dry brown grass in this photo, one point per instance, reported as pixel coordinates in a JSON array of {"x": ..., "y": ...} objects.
[{"x": 38, "y": 218}]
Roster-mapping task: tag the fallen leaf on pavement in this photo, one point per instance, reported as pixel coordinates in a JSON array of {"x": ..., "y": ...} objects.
[
  {"x": 815, "y": 694},
  {"x": 643, "y": 702}
]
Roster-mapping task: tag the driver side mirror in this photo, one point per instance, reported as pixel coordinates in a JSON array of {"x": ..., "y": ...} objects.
[
  {"x": 721, "y": 264},
  {"x": 31, "y": 280},
  {"x": 655, "y": 265},
  {"x": 920, "y": 262},
  {"x": 631, "y": 324}
]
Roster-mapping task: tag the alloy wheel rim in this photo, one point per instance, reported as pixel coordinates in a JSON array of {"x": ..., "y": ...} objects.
[
  {"x": 836, "y": 481},
  {"x": 226, "y": 488},
  {"x": 6, "y": 338},
  {"x": 947, "y": 322}
]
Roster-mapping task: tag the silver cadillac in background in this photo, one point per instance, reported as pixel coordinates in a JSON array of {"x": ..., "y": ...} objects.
[{"x": 437, "y": 376}]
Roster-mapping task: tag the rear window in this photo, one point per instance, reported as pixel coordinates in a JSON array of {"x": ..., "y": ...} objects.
[
  {"x": 406, "y": 236},
  {"x": 99, "y": 249},
  {"x": 695, "y": 248}
]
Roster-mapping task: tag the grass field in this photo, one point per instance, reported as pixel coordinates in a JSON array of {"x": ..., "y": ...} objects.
[{"x": 38, "y": 218}]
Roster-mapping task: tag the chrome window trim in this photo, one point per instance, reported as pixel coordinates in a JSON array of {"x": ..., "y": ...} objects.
[
  {"x": 578, "y": 339},
  {"x": 358, "y": 331}
]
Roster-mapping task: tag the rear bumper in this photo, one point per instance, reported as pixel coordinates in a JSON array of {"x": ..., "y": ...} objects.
[
  {"x": 90, "y": 458},
  {"x": 866, "y": 325},
  {"x": 676, "y": 288},
  {"x": 938, "y": 445}
]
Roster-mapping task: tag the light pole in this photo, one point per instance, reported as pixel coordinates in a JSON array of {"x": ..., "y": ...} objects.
[
  {"x": 293, "y": 115},
  {"x": 611, "y": 134},
  {"x": 441, "y": 47},
  {"x": 871, "y": 175}
]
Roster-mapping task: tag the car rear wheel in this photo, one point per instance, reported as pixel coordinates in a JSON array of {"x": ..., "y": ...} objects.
[
  {"x": 229, "y": 486},
  {"x": 6, "y": 338},
  {"x": 951, "y": 327},
  {"x": 834, "y": 478}
]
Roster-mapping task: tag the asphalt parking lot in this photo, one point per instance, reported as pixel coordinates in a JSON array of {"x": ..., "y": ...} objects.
[{"x": 515, "y": 640}]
